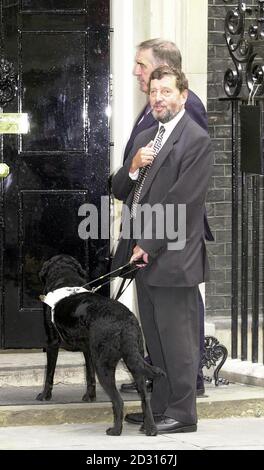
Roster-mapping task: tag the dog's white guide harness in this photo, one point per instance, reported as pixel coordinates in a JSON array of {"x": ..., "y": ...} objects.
[{"x": 53, "y": 297}]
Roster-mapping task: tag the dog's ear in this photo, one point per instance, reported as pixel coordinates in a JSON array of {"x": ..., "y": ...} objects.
[
  {"x": 79, "y": 269},
  {"x": 44, "y": 270},
  {"x": 82, "y": 272}
]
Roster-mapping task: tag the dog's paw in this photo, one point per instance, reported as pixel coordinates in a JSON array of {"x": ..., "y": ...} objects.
[
  {"x": 151, "y": 431},
  {"x": 44, "y": 396},
  {"x": 88, "y": 398},
  {"x": 113, "y": 431}
]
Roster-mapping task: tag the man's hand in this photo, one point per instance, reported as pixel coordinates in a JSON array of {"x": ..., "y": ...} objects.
[
  {"x": 138, "y": 254},
  {"x": 143, "y": 157}
]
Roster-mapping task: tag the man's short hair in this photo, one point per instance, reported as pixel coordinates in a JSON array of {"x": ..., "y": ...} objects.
[
  {"x": 164, "y": 52},
  {"x": 164, "y": 70}
]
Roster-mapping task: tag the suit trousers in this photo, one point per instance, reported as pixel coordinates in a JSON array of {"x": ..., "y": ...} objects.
[
  {"x": 170, "y": 322},
  {"x": 200, "y": 379}
]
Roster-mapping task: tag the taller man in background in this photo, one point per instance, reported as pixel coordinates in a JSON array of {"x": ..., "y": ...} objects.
[{"x": 150, "y": 55}]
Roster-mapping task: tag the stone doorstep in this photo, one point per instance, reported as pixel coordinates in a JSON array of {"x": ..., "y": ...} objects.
[
  {"x": 244, "y": 372},
  {"x": 102, "y": 412},
  {"x": 34, "y": 376},
  {"x": 28, "y": 369}
]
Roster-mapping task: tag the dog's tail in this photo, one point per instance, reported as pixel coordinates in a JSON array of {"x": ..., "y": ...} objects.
[
  {"x": 132, "y": 349},
  {"x": 149, "y": 371},
  {"x": 138, "y": 365}
]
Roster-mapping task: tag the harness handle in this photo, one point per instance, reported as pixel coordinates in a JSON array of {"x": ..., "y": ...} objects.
[{"x": 121, "y": 289}]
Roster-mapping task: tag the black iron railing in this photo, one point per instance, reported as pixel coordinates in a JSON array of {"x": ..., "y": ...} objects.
[{"x": 244, "y": 87}]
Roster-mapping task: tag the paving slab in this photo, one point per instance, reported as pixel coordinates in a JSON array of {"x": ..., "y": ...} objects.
[{"x": 222, "y": 434}]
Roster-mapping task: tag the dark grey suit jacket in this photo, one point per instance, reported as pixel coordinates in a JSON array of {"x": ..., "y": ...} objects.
[{"x": 179, "y": 175}]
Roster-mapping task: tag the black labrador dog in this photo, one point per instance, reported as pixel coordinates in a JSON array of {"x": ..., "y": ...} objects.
[
  {"x": 106, "y": 331},
  {"x": 61, "y": 271}
]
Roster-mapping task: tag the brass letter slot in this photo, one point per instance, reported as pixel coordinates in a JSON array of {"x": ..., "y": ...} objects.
[{"x": 14, "y": 123}]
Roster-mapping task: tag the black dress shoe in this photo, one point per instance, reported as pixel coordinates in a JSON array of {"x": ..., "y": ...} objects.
[
  {"x": 137, "y": 418},
  {"x": 132, "y": 387},
  {"x": 200, "y": 392},
  {"x": 169, "y": 425}
]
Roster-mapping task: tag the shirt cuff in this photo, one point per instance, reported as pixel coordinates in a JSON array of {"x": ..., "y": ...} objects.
[{"x": 134, "y": 176}]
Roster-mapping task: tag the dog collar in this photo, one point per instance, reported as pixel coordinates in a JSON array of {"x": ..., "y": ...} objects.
[{"x": 53, "y": 297}]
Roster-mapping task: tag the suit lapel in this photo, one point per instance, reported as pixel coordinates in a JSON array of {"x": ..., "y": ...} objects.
[
  {"x": 164, "y": 152},
  {"x": 147, "y": 122}
]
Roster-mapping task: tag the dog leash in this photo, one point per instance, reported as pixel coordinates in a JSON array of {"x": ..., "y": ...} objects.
[
  {"x": 121, "y": 288},
  {"x": 76, "y": 290}
]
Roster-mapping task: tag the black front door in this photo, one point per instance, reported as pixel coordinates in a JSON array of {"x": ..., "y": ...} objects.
[{"x": 60, "y": 53}]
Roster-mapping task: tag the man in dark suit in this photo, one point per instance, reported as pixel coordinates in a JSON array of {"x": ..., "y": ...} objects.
[
  {"x": 150, "y": 54},
  {"x": 169, "y": 167}
]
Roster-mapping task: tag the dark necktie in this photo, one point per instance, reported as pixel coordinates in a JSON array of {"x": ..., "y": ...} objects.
[{"x": 143, "y": 172}]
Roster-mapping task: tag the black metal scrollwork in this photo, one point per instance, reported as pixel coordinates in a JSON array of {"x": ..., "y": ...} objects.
[
  {"x": 213, "y": 352},
  {"x": 8, "y": 82},
  {"x": 245, "y": 45}
]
